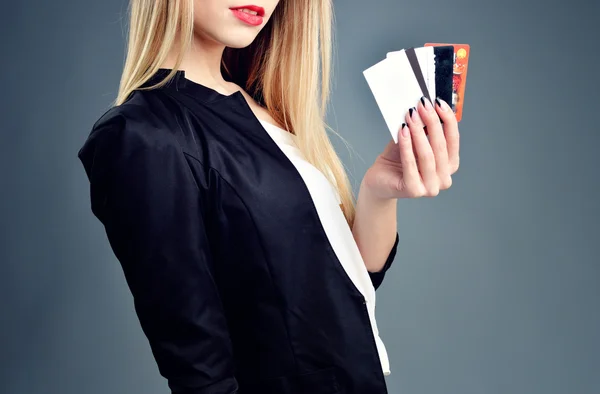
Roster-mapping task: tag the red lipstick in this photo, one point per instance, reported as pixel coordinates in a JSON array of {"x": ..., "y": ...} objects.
[{"x": 253, "y": 18}]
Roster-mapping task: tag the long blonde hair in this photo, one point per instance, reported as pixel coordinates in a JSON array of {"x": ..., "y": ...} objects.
[{"x": 287, "y": 69}]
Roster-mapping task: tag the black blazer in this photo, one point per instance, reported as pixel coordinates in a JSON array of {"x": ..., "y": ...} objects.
[{"x": 233, "y": 279}]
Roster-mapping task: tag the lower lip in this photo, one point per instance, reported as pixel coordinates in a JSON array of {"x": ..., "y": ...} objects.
[{"x": 253, "y": 20}]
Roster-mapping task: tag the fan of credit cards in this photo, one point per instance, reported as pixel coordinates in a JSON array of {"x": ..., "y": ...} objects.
[{"x": 403, "y": 77}]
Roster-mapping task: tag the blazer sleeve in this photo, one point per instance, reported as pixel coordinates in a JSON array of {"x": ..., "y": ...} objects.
[
  {"x": 143, "y": 191},
  {"x": 377, "y": 277}
]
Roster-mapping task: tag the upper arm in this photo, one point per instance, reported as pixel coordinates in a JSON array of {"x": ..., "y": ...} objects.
[{"x": 143, "y": 191}]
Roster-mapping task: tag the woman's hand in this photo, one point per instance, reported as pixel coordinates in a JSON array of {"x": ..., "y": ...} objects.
[{"x": 425, "y": 158}]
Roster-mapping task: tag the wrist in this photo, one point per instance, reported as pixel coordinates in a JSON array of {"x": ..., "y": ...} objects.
[{"x": 368, "y": 196}]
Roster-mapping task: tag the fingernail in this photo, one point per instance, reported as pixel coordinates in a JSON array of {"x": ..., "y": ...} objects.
[
  {"x": 426, "y": 103},
  {"x": 413, "y": 113},
  {"x": 404, "y": 130},
  {"x": 441, "y": 103}
]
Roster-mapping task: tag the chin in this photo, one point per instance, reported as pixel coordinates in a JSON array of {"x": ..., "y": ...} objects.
[
  {"x": 232, "y": 39},
  {"x": 241, "y": 39},
  {"x": 238, "y": 44}
]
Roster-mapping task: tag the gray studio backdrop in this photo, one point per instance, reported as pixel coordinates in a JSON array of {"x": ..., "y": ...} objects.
[{"x": 496, "y": 286}]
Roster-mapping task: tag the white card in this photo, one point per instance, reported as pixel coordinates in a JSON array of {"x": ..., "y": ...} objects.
[
  {"x": 426, "y": 58},
  {"x": 394, "y": 53},
  {"x": 395, "y": 89}
]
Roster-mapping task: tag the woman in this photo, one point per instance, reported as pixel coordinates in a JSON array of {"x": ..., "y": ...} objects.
[{"x": 230, "y": 212}]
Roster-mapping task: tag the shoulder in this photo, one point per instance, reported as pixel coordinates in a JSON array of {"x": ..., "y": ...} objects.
[
  {"x": 146, "y": 116},
  {"x": 146, "y": 120},
  {"x": 143, "y": 124}
]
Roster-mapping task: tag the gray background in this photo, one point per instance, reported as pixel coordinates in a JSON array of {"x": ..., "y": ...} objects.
[{"x": 495, "y": 288}]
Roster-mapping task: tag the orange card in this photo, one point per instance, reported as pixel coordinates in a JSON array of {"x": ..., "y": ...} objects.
[{"x": 459, "y": 78}]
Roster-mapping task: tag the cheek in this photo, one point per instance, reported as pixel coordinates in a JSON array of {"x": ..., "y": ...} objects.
[
  {"x": 210, "y": 20},
  {"x": 209, "y": 14},
  {"x": 274, "y": 5}
]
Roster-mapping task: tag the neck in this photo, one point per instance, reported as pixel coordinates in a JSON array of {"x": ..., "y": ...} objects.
[{"x": 202, "y": 64}]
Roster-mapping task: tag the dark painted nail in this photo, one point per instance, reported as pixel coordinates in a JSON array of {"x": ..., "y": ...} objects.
[
  {"x": 410, "y": 111},
  {"x": 426, "y": 103},
  {"x": 403, "y": 126},
  {"x": 437, "y": 101}
]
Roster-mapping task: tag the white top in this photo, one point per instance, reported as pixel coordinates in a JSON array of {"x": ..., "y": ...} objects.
[{"x": 327, "y": 202}]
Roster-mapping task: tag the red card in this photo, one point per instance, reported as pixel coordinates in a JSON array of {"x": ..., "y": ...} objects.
[{"x": 459, "y": 79}]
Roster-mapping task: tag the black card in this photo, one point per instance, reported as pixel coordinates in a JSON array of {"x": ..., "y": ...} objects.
[{"x": 444, "y": 65}]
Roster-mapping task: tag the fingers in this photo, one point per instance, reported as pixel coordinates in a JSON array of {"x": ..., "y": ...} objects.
[
  {"x": 410, "y": 170},
  {"x": 428, "y": 148},
  {"x": 425, "y": 159},
  {"x": 437, "y": 141},
  {"x": 451, "y": 133}
]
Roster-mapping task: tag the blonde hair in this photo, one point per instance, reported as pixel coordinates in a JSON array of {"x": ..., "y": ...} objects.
[{"x": 287, "y": 69}]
